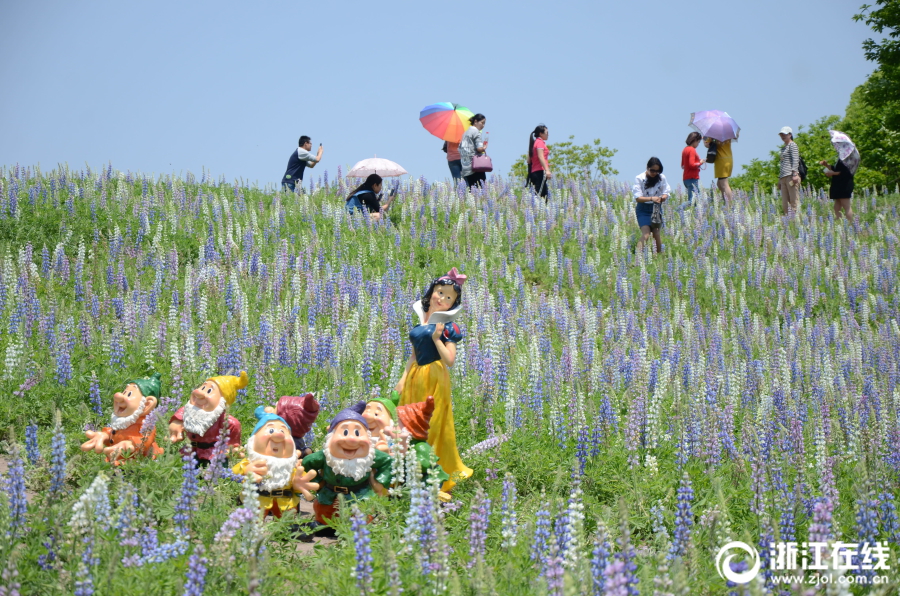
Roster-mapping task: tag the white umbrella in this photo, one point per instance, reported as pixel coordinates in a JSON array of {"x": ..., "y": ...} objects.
[{"x": 376, "y": 165}]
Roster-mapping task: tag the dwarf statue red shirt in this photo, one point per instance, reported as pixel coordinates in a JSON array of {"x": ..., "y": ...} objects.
[
  {"x": 123, "y": 438},
  {"x": 204, "y": 414}
]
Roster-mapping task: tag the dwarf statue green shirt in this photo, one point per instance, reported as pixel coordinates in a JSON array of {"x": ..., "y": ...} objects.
[{"x": 357, "y": 489}]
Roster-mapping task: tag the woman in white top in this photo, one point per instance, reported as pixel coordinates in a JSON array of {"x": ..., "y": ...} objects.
[
  {"x": 470, "y": 145},
  {"x": 650, "y": 189}
]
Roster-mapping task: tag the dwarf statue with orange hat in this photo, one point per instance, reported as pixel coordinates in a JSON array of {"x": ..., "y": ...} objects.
[
  {"x": 392, "y": 426},
  {"x": 123, "y": 438},
  {"x": 272, "y": 462},
  {"x": 204, "y": 414}
]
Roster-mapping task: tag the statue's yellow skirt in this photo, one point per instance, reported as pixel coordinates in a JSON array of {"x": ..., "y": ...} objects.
[{"x": 434, "y": 379}]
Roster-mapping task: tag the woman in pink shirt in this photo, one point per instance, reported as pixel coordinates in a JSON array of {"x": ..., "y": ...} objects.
[
  {"x": 538, "y": 154},
  {"x": 690, "y": 163}
]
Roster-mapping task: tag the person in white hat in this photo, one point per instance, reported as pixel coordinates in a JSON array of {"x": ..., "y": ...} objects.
[{"x": 789, "y": 175}]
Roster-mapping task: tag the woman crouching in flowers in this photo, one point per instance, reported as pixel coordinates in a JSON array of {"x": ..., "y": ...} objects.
[{"x": 428, "y": 370}]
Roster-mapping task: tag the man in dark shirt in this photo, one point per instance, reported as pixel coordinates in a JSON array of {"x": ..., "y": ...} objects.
[{"x": 299, "y": 161}]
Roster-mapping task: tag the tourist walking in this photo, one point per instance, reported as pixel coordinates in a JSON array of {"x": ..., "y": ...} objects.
[
  {"x": 690, "y": 163},
  {"x": 539, "y": 172},
  {"x": 841, "y": 174},
  {"x": 299, "y": 161},
  {"x": 789, "y": 172},
  {"x": 453, "y": 159},
  {"x": 650, "y": 191},
  {"x": 722, "y": 166},
  {"x": 366, "y": 198},
  {"x": 470, "y": 145}
]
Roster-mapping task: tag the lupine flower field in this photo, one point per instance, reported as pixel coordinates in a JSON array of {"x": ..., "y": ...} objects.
[{"x": 626, "y": 415}]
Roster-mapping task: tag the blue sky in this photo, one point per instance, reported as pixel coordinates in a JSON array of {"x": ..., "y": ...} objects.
[{"x": 168, "y": 87}]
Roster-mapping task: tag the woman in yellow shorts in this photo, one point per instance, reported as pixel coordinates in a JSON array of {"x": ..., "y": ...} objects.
[{"x": 723, "y": 166}]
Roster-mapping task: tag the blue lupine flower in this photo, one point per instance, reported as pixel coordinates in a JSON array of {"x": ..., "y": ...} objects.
[
  {"x": 363, "y": 571},
  {"x": 31, "y": 444},
  {"x": 684, "y": 519},
  {"x": 58, "y": 462},
  {"x": 15, "y": 490},
  {"x": 186, "y": 504}
]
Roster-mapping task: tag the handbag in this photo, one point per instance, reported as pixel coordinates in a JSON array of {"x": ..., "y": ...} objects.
[
  {"x": 656, "y": 217},
  {"x": 712, "y": 152},
  {"x": 482, "y": 163}
]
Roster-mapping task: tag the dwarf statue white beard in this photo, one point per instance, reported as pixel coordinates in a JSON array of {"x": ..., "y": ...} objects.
[
  {"x": 123, "y": 422},
  {"x": 357, "y": 468},
  {"x": 280, "y": 468},
  {"x": 198, "y": 421}
]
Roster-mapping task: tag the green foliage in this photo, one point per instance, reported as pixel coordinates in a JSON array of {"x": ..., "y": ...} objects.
[
  {"x": 878, "y": 142},
  {"x": 567, "y": 159},
  {"x": 883, "y": 91}
]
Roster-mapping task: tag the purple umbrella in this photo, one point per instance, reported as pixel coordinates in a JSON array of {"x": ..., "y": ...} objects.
[{"x": 715, "y": 124}]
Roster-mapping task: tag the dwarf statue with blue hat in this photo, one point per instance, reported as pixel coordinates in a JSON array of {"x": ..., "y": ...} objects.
[
  {"x": 272, "y": 463},
  {"x": 348, "y": 465}
]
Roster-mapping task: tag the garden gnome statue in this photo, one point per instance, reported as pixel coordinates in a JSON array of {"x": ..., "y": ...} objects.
[
  {"x": 123, "y": 438},
  {"x": 348, "y": 465},
  {"x": 272, "y": 462},
  {"x": 300, "y": 412},
  {"x": 392, "y": 426},
  {"x": 204, "y": 414}
]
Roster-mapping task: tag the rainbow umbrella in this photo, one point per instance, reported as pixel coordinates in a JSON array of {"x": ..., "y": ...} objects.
[{"x": 446, "y": 120}]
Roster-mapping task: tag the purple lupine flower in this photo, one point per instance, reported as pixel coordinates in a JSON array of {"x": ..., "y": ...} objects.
[
  {"x": 58, "y": 462},
  {"x": 363, "y": 571},
  {"x": 195, "y": 579},
  {"x": 615, "y": 579},
  {"x": 96, "y": 403},
  {"x": 866, "y": 528},
  {"x": 478, "y": 525},
  {"x": 888, "y": 518},
  {"x": 216, "y": 468},
  {"x": 64, "y": 372},
  {"x": 15, "y": 490},
  {"x": 684, "y": 519},
  {"x": 554, "y": 572},
  {"x": 31, "y": 444},
  {"x": 84, "y": 582},
  {"x": 186, "y": 504},
  {"x": 509, "y": 524},
  {"x": 540, "y": 543},
  {"x": 600, "y": 559}
]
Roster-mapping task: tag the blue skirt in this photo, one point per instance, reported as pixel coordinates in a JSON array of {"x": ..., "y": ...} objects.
[{"x": 643, "y": 212}]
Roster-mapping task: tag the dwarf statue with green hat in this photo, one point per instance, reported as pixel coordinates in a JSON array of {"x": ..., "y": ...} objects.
[
  {"x": 272, "y": 463},
  {"x": 202, "y": 417},
  {"x": 348, "y": 465},
  {"x": 393, "y": 425},
  {"x": 125, "y": 436}
]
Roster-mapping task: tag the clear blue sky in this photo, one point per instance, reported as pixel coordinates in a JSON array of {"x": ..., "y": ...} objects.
[{"x": 166, "y": 87}]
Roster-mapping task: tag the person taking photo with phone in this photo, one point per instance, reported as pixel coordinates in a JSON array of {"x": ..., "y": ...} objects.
[{"x": 299, "y": 161}]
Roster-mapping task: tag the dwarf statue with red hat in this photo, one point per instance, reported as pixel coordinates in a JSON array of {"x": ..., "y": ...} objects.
[
  {"x": 204, "y": 414},
  {"x": 348, "y": 465},
  {"x": 123, "y": 438},
  {"x": 300, "y": 412},
  {"x": 392, "y": 426},
  {"x": 272, "y": 462}
]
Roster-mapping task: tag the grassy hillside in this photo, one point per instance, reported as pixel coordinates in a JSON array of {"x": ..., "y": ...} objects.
[{"x": 641, "y": 406}]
